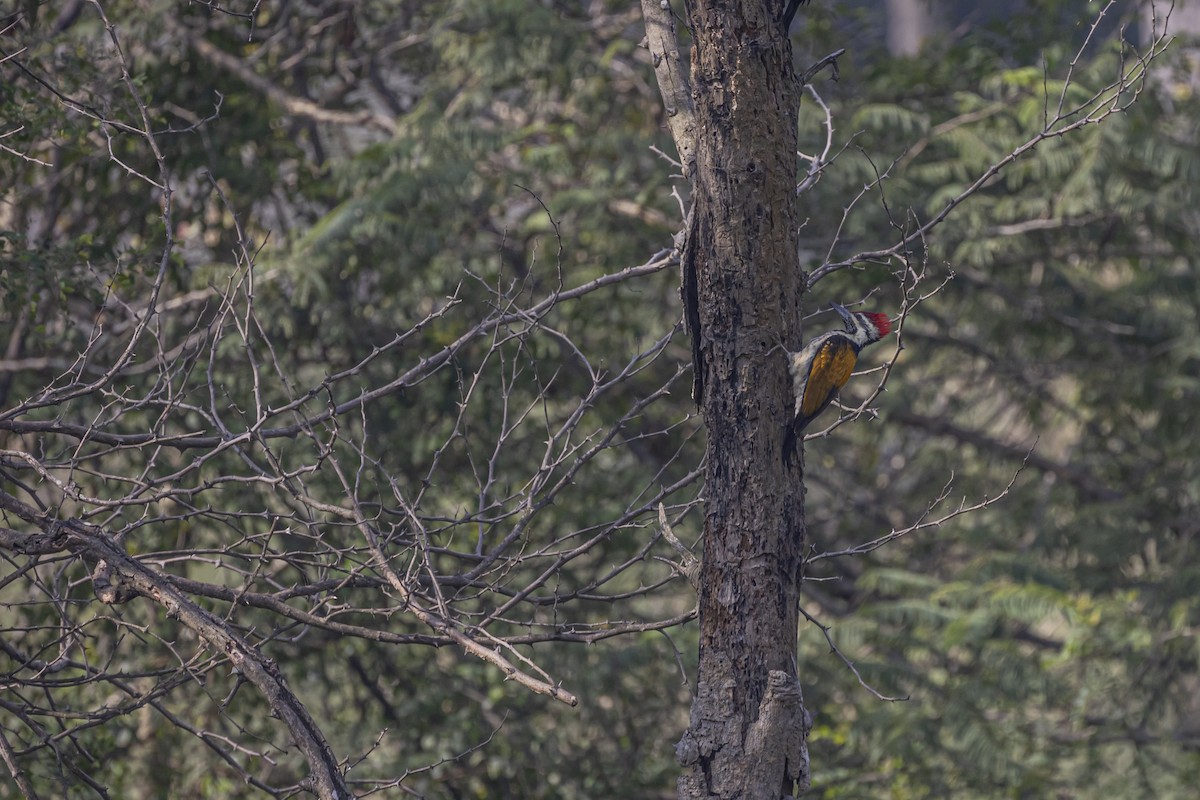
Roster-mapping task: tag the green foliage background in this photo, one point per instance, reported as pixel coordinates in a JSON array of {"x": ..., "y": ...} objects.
[{"x": 1047, "y": 646}]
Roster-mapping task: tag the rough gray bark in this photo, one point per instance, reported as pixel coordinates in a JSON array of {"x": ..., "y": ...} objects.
[
  {"x": 748, "y": 727},
  {"x": 662, "y": 40}
]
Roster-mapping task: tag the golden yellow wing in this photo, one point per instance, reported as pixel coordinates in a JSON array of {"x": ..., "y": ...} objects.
[{"x": 831, "y": 368}]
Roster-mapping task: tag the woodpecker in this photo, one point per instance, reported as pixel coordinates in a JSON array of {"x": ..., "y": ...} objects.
[{"x": 825, "y": 364}]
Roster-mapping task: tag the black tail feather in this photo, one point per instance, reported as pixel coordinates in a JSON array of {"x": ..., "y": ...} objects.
[
  {"x": 789, "y": 445},
  {"x": 790, "y": 12}
]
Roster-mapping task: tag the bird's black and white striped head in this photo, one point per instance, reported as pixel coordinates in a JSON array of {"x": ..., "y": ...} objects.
[{"x": 863, "y": 327}]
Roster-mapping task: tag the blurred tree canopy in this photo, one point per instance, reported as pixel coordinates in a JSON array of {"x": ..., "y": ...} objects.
[{"x": 364, "y": 191}]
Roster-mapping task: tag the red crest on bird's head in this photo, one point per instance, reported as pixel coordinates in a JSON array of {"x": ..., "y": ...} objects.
[{"x": 881, "y": 322}]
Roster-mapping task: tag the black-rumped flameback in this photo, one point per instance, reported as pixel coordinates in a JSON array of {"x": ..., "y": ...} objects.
[{"x": 824, "y": 365}]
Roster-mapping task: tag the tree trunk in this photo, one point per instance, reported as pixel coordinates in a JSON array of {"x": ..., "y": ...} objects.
[
  {"x": 747, "y": 733},
  {"x": 909, "y": 24}
]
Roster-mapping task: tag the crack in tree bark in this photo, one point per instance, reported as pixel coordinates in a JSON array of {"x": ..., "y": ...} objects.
[{"x": 739, "y": 284}]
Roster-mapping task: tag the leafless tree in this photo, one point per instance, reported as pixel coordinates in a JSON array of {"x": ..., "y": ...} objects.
[
  {"x": 181, "y": 487},
  {"x": 733, "y": 118}
]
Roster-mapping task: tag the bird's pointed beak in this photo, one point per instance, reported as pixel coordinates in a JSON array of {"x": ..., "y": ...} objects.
[{"x": 842, "y": 312}]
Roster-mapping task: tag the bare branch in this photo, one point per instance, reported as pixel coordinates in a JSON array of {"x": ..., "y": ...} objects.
[
  {"x": 1112, "y": 99},
  {"x": 10, "y": 761},
  {"x": 259, "y": 670},
  {"x": 924, "y": 522},
  {"x": 833, "y": 648},
  {"x": 297, "y": 106},
  {"x": 663, "y": 43}
]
